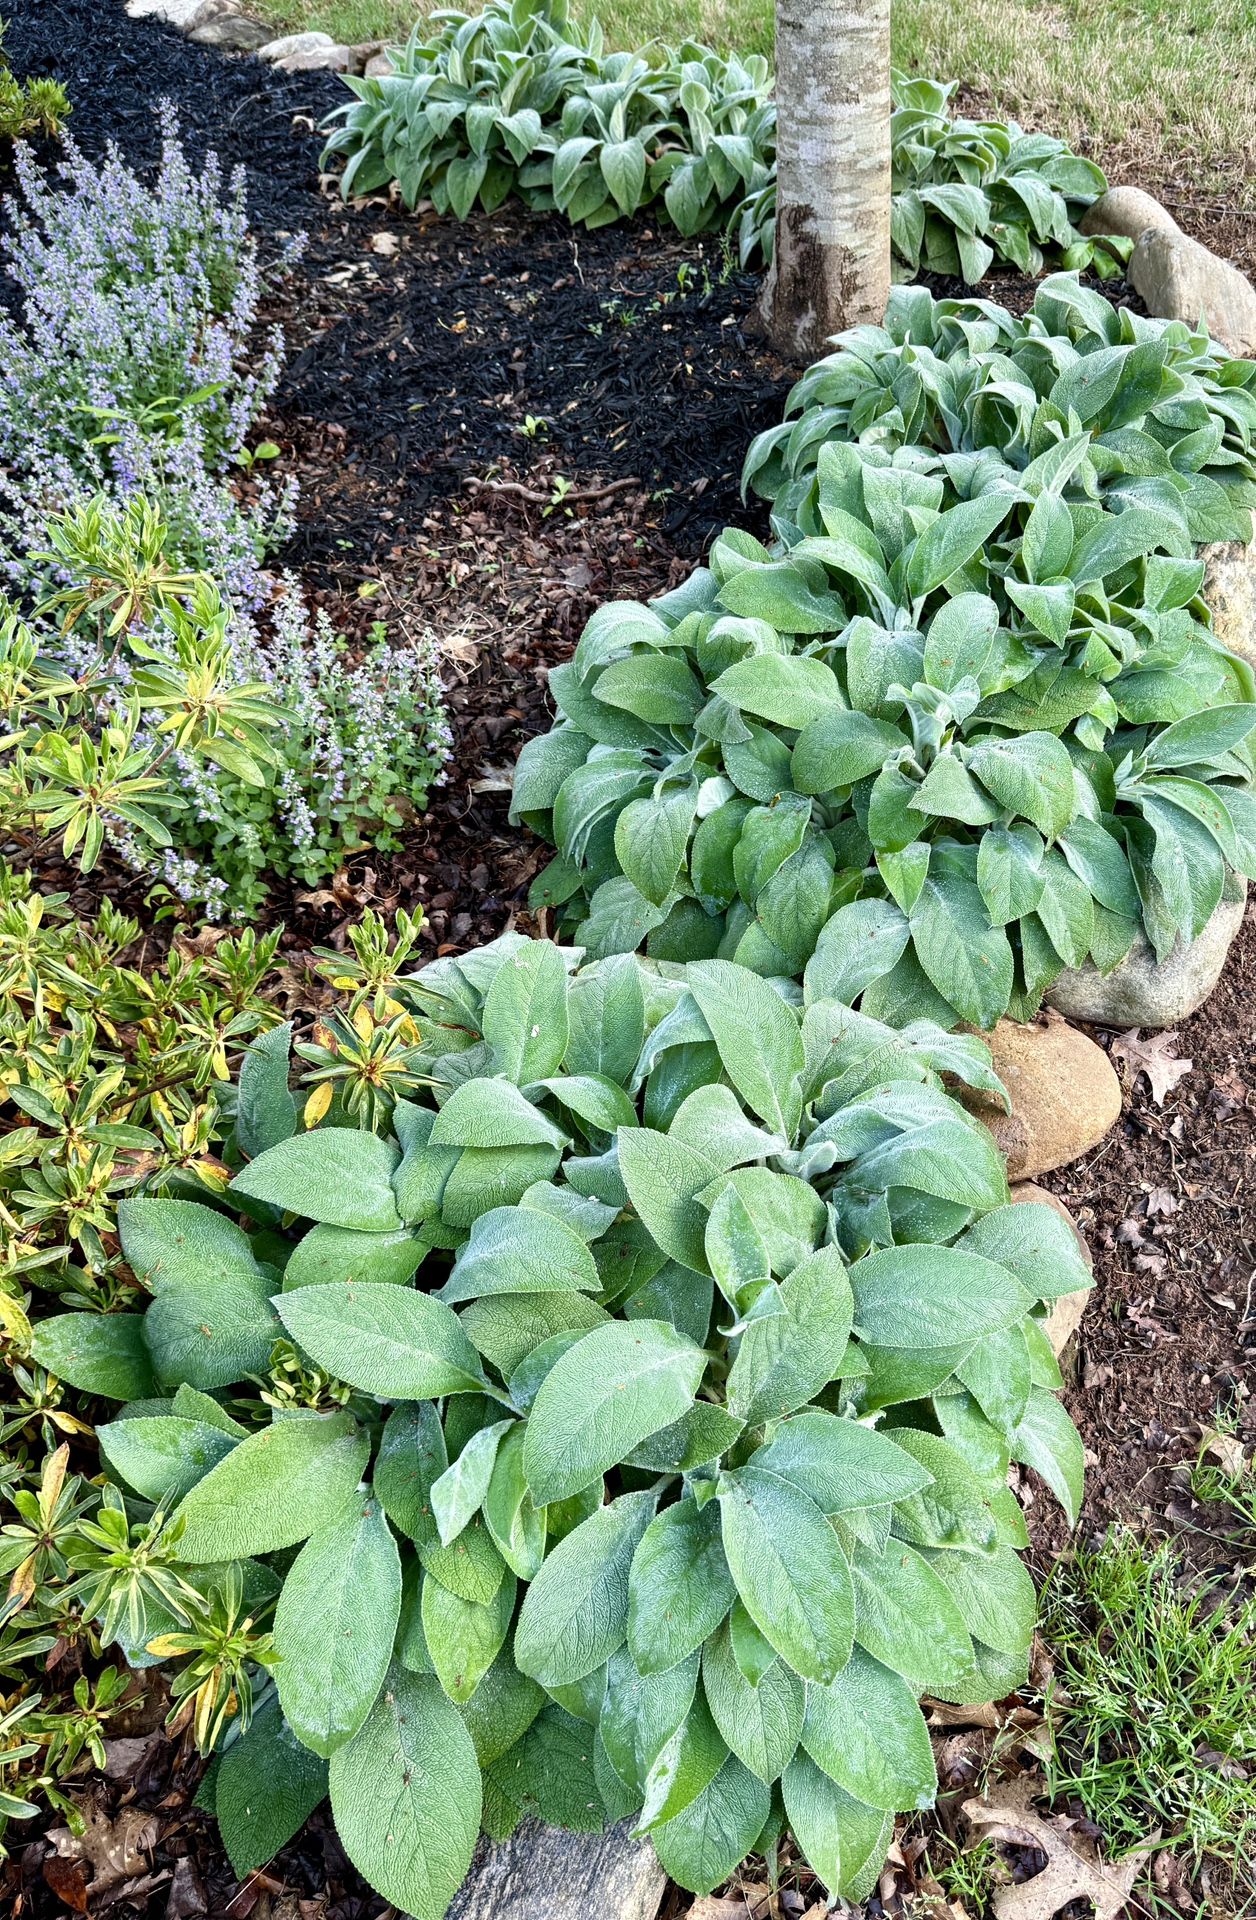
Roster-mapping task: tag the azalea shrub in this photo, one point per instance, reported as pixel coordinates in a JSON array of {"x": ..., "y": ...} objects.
[
  {"x": 209, "y": 749},
  {"x": 112, "y": 1079},
  {"x": 606, "y": 1412},
  {"x": 964, "y": 722},
  {"x": 520, "y": 100}
]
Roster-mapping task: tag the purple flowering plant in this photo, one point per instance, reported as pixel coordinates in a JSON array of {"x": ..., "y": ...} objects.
[
  {"x": 364, "y": 738},
  {"x": 138, "y": 362},
  {"x": 212, "y": 749}
]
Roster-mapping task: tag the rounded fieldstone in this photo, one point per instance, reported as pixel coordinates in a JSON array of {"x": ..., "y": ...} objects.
[
  {"x": 289, "y": 43},
  {"x": 1181, "y": 280},
  {"x": 1146, "y": 992},
  {"x": 1064, "y": 1093},
  {"x": 230, "y": 33},
  {"x": 1229, "y": 592},
  {"x": 1064, "y": 1316},
  {"x": 1127, "y": 211},
  {"x": 332, "y": 59}
]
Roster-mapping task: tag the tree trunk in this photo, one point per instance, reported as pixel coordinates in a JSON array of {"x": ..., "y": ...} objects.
[{"x": 832, "y": 263}]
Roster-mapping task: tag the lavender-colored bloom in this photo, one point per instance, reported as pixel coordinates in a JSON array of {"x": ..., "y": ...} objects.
[{"x": 136, "y": 364}]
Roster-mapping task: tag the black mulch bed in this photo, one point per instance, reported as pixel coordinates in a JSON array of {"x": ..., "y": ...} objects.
[
  {"x": 612, "y": 356},
  {"x": 418, "y": 351},
  {"x": 118, "y": 69}
]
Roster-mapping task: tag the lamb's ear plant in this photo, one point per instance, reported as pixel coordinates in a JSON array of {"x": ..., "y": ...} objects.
[
  {"x": 963, "y": 724},
  {"x": 628, "y": 1422},
  {"x": 968, "y": 193},
  {"x": 516, "y": 100}
]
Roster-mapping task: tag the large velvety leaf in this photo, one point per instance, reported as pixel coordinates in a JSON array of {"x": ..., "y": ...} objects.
[
  {"x": 840, "y": 1464},
  {"x": 954, "y": 1510},
  {"x": 266, "y": 1788},
  {"x": 266, "y": 1112},
  {"x": 335, "y": 1625},
  {"x": 336, "y": 1174},
  {"x": 520, "y": 1250},
  {"x": 411, "y": 1457},
  {"x": 866, "y": 1731},
  {"x": 406, "y": 1796},
  {"x": 965, "y": 958},
  {"x": 389, "y": 1341},
  {"x": 1047, "y": 1441},
  {"x": 614, "y": 1388},
  {"x": 525, "y": 1013},
  {"x": 843, "y": 1840},
  {"x": 760, "y": 1723},
  {"x": 906, "y": 1619},
  {"x": 464, "y": 1637},
  {"x": 575, "y": 1613},
  {"x": 663, "y": 1177},
  {"x": 790, "y": 1571},
  {"x": 925, "y": 1296},
  {"x": 1035, "y": 1243},
  {"x": 758, "y": 1038},
  {"x": 163, "y": 1454},
  {"x": 102, "y": 1353},
  {"x": 702, "y": 1845},
  {"x": 182, "y": 1243},
  {"x": 994, "y": 1593},
  {"x": 345, "y": 1253},
  {"x": 213, "y": 1334},
  {"x": 783, "y": 1361},
  {"x": 274, "y": 1489},
  {"x": 679, "y": 1588}
]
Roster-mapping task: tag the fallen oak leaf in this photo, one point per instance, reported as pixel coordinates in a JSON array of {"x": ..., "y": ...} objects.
[
  {"x": 1153, "y": 1057},
  {"x": 116, "y": 1849},
  {"x": 1226, "y": 1449},
  {"x": 1069, "y": 1875}
]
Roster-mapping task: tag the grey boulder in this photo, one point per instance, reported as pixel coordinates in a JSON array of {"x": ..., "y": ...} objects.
[
  {"x": 220, "y": 24},
  {"x": 1127, "y": 211},
  {"x": 290, "y": 43},
  {"x": 332, "y": 59},
  {"x": 1145, "y": 992},
  {"x": 543, "y": 1874},
  {"x": 1181, "y": 280},
  {"x": 1229, "y": 591}
]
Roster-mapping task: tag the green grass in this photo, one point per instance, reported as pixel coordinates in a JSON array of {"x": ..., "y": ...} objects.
[
  {"x": 1140, "y": 82},
  {"x": 1157, "y": 1674}
]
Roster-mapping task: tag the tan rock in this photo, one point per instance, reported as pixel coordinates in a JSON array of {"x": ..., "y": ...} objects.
[
  {"x": 1065, "y": 1095},
  {"x": 1065, "y": 1315},
  {"x": 1181, "y": 280},
  {"x": 290, "y": 43},
  {"x": 1127, "y": 211},
  {"x": 332, "y": 59},
  {"x": 230, "y": 32},
  {"x": 378, "y": 65},
  {"x": 362, "y": 54},
  {"x": 1229, "y": 592},
  {"x": 1145, "y": 992}
]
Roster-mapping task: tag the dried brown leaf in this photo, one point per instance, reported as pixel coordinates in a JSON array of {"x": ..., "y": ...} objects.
[
  {"x": 1154, "y": 1057},
  {"x": 1012, "y": 1819},
  {"x": 114, "y": 1849}
]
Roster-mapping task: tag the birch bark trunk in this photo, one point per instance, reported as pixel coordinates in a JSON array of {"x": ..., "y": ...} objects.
[{"x": 832, "y": 261}]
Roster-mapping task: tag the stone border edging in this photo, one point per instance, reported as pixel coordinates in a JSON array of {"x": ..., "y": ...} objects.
[{"x": 225, "y": 25}]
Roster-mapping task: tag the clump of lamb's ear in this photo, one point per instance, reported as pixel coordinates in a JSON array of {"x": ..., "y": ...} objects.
[
  {"x": 929, "y": 733},
  {"x": 616, "y": 1425}
]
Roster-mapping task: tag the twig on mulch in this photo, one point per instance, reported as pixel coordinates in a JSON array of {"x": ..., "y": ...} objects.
[{"x": 547, "y": 499}]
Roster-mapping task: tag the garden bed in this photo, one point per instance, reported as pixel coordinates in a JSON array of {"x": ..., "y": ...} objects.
[{"x": 496, "y": 428}]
